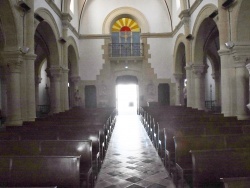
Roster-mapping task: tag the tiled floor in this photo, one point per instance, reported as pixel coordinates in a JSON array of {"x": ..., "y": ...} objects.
[{"x": 131, "y": 160}]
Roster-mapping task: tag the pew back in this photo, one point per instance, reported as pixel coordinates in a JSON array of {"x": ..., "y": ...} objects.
[
  {"x": 211, "y": 165},
  {"x": 28, "y": 171}
]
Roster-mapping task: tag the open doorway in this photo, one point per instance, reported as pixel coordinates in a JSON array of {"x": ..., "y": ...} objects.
[{"x": 127, "y": 98}]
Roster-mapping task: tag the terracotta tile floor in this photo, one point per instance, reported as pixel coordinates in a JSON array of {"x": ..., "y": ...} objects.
[{"x": 131, "y": 160}]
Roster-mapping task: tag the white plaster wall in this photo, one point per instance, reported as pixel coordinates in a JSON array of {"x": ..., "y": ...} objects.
[
  {"x": 96, "y": 12},
  {"x": 43, "y": 4},
  {"x": 90, "y": 62},
  {"x": 196, "y": 12},
  {"x": 161, "y": 56}
]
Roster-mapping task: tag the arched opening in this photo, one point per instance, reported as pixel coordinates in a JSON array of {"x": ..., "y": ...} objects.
[
  {"x": 47, "y": 56},
  {"x": 127, "y": 94},
  {"x": 180, "y": 75},
  {"x": 206, "y": 54}
]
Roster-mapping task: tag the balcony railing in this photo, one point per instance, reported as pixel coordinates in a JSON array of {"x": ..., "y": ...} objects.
[{"x": 125, "y": 49}]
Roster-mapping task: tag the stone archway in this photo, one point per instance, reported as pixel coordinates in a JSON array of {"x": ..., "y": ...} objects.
[
  {"x": 74, "y": 77},
  {"x": 47, "y": 50},
  {"x": 179, "y": 70},
  {"x": 206, "y": 45}
]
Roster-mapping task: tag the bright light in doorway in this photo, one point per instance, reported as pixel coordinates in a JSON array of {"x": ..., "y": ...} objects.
[{"x": 126, "y": 96}]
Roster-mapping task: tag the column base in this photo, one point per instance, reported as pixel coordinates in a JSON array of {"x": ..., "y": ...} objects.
[
  {"x": 243, "y": 117},
  {"x": 13, "y": 123}
]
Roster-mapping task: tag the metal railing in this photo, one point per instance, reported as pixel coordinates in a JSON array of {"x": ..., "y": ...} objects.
[
  {"x": 211, "y": 106},
  {"x": 43, "y": 110},
  {"x": 125, "y": 49}
]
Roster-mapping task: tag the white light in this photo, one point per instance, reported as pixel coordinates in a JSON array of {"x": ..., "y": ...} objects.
[
  {"x": 126, "y": 67},
  {"x": 229, "y": 44},
  {"x": 24, "y": 50}
]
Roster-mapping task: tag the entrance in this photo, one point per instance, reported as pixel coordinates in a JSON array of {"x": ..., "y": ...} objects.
[{"x": 127, "y": 98}]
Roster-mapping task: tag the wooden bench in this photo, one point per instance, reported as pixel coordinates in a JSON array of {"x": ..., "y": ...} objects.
[
  {"x": 53, "y": 148},
  {"x": 236, "y": 182},
  {"x": 183, "y": 160},
  {"x": 211, "y": 165},
  {"x": 40, "y": 171}
]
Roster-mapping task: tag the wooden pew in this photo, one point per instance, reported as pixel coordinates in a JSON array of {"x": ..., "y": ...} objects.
[
  {"x": 236, "y": 182},
  {"x": 211, "y": 165},
  {"x": 40, "y": 171},
  {"x": 53, "y": 148},
  {"x": 183, "y": 160}
]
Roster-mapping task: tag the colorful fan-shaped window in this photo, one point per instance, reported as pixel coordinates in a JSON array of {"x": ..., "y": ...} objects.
[{"x": 125, "y": 24}]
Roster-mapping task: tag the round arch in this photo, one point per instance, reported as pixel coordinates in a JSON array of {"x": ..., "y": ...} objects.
[
  {"x": 126, "y": 79},
  {"x": 200, "y": 23},
  {"x": 179, "y": 50},
  {"x": 49, "y": 33},
  {"x": 128, "y": 12},
  {"x": 73, "y": 56},
  {"x": 9, "y": 26}
]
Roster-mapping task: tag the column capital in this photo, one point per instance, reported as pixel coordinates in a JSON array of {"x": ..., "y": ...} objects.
[
  {"x": 54, "y": 73},
  {"x": 198, "y": 69},
  {"x": 241, "y": 60},
  {"x": 248, "y": 66},
  {"x": 184, "y": 15},
  {"x": 75, "y": 79},
  {"x": 188, "y": 67},
  {"x": 66, "y": 18},
  {"x": 65, "y": 70},
  {"x": 30, "y": 57},
  {"x": 178, "y": 76}
]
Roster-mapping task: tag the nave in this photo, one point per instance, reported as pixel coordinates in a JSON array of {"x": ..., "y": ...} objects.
[{"x": 131, "y": 160}]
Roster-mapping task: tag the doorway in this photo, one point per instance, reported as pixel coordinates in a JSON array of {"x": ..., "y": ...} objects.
[
  {"x": 127, "y": 98},
  {"x": 90, "y": 96},
  {"x": 163, "y": 94}
]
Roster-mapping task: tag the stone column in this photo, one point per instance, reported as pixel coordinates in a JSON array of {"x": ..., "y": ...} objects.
[
  {"x": 241, "y": 91},
  {"x": 55, "y": 74},
  {"x": 190, "y": 95},
  {"x": 13, "y": 70},
  {"x": 227, "y": 80},
  {"x": 227, "y": 72},
  {"x": 66, "y": 18},
  {"x": 248, "y": 68},
  {"x": 217, "y": 85},
  {"x": 3, "y": 91},
  {"x": 64, "y": 90},
  {"x": 38, "y": 81},
  {"x": 74, "y": 86},
  {"x": 198, "y": 70},
  {"x": 178, "y": 89},
  {"x": 30, "y": 87}
]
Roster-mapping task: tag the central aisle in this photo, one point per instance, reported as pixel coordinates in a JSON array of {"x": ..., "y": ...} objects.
[{"x": 131, "y": 160}]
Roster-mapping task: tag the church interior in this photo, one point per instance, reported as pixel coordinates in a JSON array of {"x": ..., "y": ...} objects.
[{"x": 125, "y": 93}]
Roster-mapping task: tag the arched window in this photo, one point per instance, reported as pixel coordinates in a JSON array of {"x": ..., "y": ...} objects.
[{"x": 126, "y": 38}]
